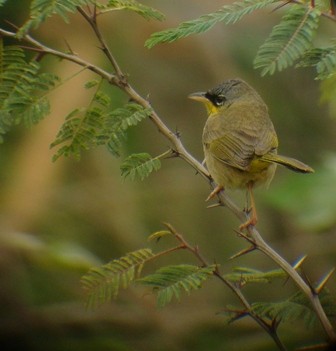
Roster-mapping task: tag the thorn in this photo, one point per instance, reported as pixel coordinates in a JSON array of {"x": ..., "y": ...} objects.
[
  {"x": 324, "y": 281},
  {"x": 242, "y": 235},
  {"x": 237, "y": 314},
  {"x": 12, "y": 25},
  {"x": 177, "y": 133},
  {"x": 69, "y": 48},
  {"x": 299, "y": 262},
  {"x": 281, "y": 5},
  {"x": 243, "y": 252},
  {"x": 217, "y": 204},
  {"x": 216, "y": 191},
  {"x": 173, "y": 153},
  {"x": 309, "y": 283}
]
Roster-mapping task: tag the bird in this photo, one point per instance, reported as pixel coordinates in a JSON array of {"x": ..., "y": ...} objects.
[{"x": 240, "y": 142}]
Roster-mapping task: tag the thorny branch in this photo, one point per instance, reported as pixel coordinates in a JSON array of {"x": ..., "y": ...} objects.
[
  {"x": 119, "y": 79},
  {"x": 270, "y": 328}
]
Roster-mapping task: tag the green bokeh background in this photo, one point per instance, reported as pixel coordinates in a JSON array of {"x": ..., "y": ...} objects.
[{"x": 59, "y": 219}]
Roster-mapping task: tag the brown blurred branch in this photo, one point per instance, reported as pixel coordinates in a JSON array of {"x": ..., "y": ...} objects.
[
  {"x": 270, "y": 328},
  {"x": 119, "y": 79}
]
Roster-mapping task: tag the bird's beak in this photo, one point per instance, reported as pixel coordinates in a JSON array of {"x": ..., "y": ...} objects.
[{"x": 200, "y": 96}]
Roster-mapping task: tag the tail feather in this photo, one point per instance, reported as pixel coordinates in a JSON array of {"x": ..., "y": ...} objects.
[{"x": 291, "y": 163}]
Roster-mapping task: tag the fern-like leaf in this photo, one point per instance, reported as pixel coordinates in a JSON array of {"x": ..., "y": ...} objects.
[
  {"x": 297, "y": 307},
  {"x": 103, "y": 283},
  {"x": 249, "y": 275},
  {"x": 170, "y": 281},
  {"x": 2, "y": 2},
  {"x": 139, "y": 166},
  {"x": 23, "y": 89},
  {"x": 326, "y": 67},
  {"x": 85, "y": 129},
  {"x": 159, "y": 234},
  {"x": 132, "y": 5},
  {"x": 227, "y": 14},
  {"x": 40, "y": 10},
  {"x": 289, "y": 40},
  {"x": 323, "y": 59}
]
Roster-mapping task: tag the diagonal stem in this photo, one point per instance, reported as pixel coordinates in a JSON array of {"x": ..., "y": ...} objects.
[{"x": 269, "y": 328}]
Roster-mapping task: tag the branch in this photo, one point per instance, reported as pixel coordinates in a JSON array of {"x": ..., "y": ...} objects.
[
  {"x": 39, "y": 47},
  {"x": 310, "y": 292},
  {"x": 269, "y": 328}
]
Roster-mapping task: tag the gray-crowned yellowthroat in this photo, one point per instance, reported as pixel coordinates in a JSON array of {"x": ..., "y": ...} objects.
[{"x": 239, "y": 140}]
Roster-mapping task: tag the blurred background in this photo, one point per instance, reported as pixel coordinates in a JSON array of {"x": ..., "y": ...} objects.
[{"x": 59, "y": 219}]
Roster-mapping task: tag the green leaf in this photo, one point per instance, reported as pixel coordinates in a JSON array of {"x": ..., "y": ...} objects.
[
  {"x": 326, "y": 68},
  {"x": 132, "y": 5},
  {"x": 158, "y": 235},
  {"x": 245, "y": 275},
  {"x": 92, "y": 83},
  {"x": 323, "y": 59},
  {"x": 40, "y": 10},
  {"x": 2, "y": 2},
  {"x": 139, "y": 166},
  {"x": 85, "y": 129},
  {"x": 103, "y": 283},
  {"x": 289, "y": 40},
  {"x": 23, "y": 89},
  {"x": 297, "y": 307},
  {"x": 171, "y": 281},
  {"x": 227, "y": 14}
]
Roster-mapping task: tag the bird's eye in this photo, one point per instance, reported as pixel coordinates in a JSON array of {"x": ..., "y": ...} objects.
[{"x": 219, "y": 100}]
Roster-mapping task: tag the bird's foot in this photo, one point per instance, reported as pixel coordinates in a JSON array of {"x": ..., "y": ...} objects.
[{"x": 250, "y": 222}]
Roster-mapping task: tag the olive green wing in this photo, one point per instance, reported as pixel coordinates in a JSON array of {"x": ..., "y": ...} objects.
[{"x": 235, "y": 148}]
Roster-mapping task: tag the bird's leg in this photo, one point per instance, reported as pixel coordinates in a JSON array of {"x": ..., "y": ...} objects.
[
  {"x": 217, "y": 190},
  {"x": 247, "y": 208},
  {"x": 253, "y": 213}
]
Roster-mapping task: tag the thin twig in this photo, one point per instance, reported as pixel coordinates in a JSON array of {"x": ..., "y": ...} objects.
[
  {"x": 92, "y": 20},
  {"x": 269, "y": 328},
  {"x": 298, "y": 280}
]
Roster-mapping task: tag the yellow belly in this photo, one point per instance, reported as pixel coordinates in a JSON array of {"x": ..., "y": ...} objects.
[{"x": 233, "y": 178}]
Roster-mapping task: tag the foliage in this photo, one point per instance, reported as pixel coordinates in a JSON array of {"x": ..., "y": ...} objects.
[
  {"x": 23, "y": 89},
  {"x": 97, "y": 125},
  {"x": 103, "y": 283},
  {"x": 227, "y": 14},
  {"x": 132, "y": 5},
  {"x": 296, "y": 307},
  {"x": 40, "y": 10},
  {"x": 139, "y": 166},
  {"x": 171, "y": 281},
  {"x": 245, "y": 275},
  {"x": 323, "y": 59},
  {"x": 289, "y": 40}
]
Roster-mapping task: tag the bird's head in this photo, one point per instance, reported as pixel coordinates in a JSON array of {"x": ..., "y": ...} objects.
[{"x": 222, "y": 96}]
